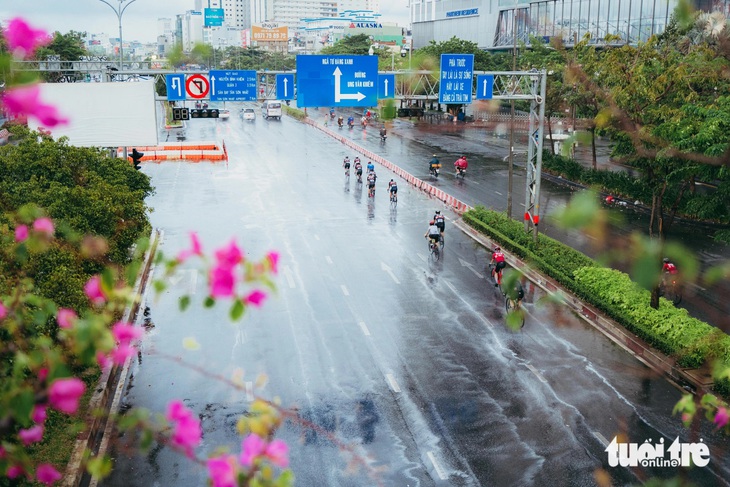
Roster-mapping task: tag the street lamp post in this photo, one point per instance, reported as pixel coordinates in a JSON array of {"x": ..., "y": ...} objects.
[{"x": 119, "y": 11}]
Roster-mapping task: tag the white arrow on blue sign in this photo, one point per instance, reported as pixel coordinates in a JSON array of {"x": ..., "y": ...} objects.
[
  {"x": 386, "y": 86},
  {"x": 329, "y": 81},
  {"x": 457, "y": 73},
  {"x": 285, "y": 86},
  {"x": 175, "y": 86},
  {"x": 232, "y": 85},
  {"x": 485, "y": 86}
]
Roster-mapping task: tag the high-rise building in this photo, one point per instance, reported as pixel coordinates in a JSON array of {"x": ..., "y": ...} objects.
[{"x": 189, "y": 28}]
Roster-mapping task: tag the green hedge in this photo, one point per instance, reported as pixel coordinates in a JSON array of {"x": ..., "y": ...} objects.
[
  {"x": 294, "y": 112},
  {"x": 669, "y": 329}
]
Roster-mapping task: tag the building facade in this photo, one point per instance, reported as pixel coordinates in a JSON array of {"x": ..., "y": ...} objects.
[{"x": 495, "y": 24}]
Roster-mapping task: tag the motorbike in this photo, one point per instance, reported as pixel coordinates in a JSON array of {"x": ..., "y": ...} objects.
[
  {"x": 339, "y": 122},
  {"x": 350, "y": 123},
  {"x": 460, "y": 171},
  {"x": 383, "y": 136},
  {"x": 434, "y": 171}
]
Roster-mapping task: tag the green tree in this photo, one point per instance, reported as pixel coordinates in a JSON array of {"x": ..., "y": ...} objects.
[
  {"x": 67, "y": 48},
  {"x": 357, "y": 44}
]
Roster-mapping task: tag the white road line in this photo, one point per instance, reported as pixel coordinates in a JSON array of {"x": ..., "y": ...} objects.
[
  {"x": 536, "y": 372},
  {"x": 249, "y": 391},
  {"x": 364, "y": 327},
  {"x": 390, "y": 272},
  {"x": 392, "y": 382},
  {"x": 344, "y": 290},
  {"x": 193, "y": 281},
  {"x": 439, "y": 471},
  {"x": 421, "y": 256},
  {"x": 328, "y": 259},
  {"x": 601, "y": 438},
  {"x": 499, "y": 193},
  {"x": 288, "y": 275}
]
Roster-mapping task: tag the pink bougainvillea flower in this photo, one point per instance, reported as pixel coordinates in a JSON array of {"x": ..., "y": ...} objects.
[
  {"x": 721, "y": 417},
  {"x": 196, "y": 248},
  {"x": 31, "y": 435},
  {"x": 14, "y": 471},
  {"x": 103, "y": 360},
  {"x": 255, "y": 298},
  {"x": 229, "y": 256},
  {"x": 39, "y": 414},
  {"x": 186, "y": 433},
  {"x": 20, "y": 35},
  {"x": 273, "y": 258},
  {"x": 126, "y": 332},
  {"x": 66, "y": 317},
  {"x": 25, "y": 100},
  {"x": 121, "y": 353},
  {"x": 64, "y": 394},
  {"x": 222, "y": 281},
  {"x": 93, "y": 290},
  {"x": 222, "y": 471},
  {"x": 47, "y": 474},
  {"x": 3, "y": 311},
  {"x": 21, "y": 233},
  {"x": 44, "y": 225},
  {"x": 42, "y": 374},
  {"x": 252, "y": 447},
  {"x": 277, "y": 452}
]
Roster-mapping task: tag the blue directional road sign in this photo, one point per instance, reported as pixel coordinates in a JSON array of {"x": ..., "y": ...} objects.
[
  {"x": 285, "y": 86},
  {"x": 337, "y": 81},
  {"x": 386, "y": 86},
  {"x": 175, "y": 86},
  {"x": 457, "y": 71},
  {"x": 485, "y": 85},
  {"x": 232, "y": 85}
]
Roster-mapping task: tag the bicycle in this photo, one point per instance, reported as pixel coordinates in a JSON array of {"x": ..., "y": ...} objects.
[
  {"x": 433, "y": 248},
  {"x": 393, "y": 199},
  {"x": 672, "y": 292},
  {"x": 514, "y": 306}
]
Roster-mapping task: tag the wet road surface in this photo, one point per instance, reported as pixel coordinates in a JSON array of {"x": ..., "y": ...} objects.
[{"x": 404, "y": 359}]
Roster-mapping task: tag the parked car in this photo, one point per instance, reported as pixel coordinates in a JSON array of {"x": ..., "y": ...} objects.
[{"x": 248, "y": 114}]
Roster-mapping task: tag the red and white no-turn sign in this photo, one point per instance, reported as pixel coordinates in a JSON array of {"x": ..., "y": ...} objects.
[{"x": 197, "y": 86}]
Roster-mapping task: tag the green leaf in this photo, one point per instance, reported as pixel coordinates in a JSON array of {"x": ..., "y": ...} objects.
[
  {"x": 237, "y": 310},
  {"x": 99, "y": 467},
  {"x": 107, "y": 280},
  {"x": 147, "y": 439},
  {"x": 21, "y": 406},
  {"x": 184, "y": 302},
  {"x": 132, "y": 271},
  {"x": 209, "y": 302},
  {"x": 159, "y": 286},
  {"x": 581, "y": 212}
]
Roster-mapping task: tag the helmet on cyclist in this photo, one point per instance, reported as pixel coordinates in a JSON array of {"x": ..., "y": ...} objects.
[
  {"x": 432, "y": 222},
  {"x": 438, "y": 212},
  {"x": 496, "y": 248},
  {"x": 666, "y": 260},
  {"x": 434, "y": 155}
]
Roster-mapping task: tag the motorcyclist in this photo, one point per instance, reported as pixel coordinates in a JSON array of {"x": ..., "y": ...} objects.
[
  {"x": 340, "y": 121},
  {"x": 433, "y": 165},
  {"x": 350, "y": 121},
  {"x": 332, "y": 113},
  {"x": 364, "y": 122},
  {"x": 461, "y": 164},
  {"x": 383, "y": 133}
]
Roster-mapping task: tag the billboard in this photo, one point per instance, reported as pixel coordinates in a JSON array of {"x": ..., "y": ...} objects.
[
  {"x": 103, "y": 114},
  {"x": 269, "y": 32},
  {"x": 214, "y": 17}
]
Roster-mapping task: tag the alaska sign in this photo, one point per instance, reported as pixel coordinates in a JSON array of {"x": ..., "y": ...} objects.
[{"x": 365, "y": 25}]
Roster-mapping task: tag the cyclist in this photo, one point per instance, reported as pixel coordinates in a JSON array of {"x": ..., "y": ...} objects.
[
  {"x": 371, "y": 183},
  {"x": 668, "y": 267},
  {"x": 371, "y": 166},
  {"x": 392, "y": 188},
  {"x": 356, "y": 160},
  {"x": 358, "y": 170},
  {"x": 517, "y": 293},
  {"x": 346, "y": 161},
  {"x": 499, "y": 263},
  {"x": 440, "y": 221},
  {"x": 433, "y": 233},
  {"x": 346, "y": 165}
]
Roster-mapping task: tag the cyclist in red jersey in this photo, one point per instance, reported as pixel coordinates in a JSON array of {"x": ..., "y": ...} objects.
[{"x": 498, "y": 260}]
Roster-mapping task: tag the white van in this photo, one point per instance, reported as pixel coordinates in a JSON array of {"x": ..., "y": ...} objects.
[{"x": 271, "y": 108}]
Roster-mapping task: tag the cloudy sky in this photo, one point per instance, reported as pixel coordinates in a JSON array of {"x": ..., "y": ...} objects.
[{"x": 139, "y": 20}]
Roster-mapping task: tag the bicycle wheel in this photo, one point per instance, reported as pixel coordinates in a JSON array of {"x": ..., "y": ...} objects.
[
  {"x": 515, "y": 313},
  {"x": 443, "y": 241},
  {"x": 434, "y": 250}
]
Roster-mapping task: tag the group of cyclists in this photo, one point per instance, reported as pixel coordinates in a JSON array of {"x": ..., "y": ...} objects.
[{"x": 370, "y": 178}]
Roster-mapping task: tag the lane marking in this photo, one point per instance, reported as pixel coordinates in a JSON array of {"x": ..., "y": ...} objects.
[
  {"x": 601, "y": 438},
  {"x": 439, "y": 471},
  {"x": 421, "y": 256},
  {"x": 536, "y": 372},
  {"x": 288, "y": 275},
  {"x": 344, "y": 290},
  {"x": 392, "y": 382},
  {"x": 364, "y": 327},
  {"x": 328, "y": 259},
  {"x": 471, "y": 268},
  {"x": 390, "y": 272},
  {"x": 249, "y": 391},
  {"x": 499, "y": 193}
]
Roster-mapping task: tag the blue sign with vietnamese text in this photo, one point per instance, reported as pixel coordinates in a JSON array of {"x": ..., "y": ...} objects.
[
  {"x": 457, "y": 71},
  {"x": 386, "y": 86},
  {"x": 232, "y": 85},
  {"x": 214, "y": 17},
  {"x": 175, "y": 84},
  {"x": 463, "y": 13},
  {"x": 337, "y": 81},
  {"x": 485, "y": 86},
  {"x": 285, "y": 86}
]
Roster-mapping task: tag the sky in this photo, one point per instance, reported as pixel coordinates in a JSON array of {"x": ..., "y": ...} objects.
[{"x": 139, "y": 21}]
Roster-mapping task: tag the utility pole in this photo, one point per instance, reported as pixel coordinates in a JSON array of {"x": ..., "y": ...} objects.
[
  {"x": 119, "y": 11},
  {"x": 512, "y": 119}
]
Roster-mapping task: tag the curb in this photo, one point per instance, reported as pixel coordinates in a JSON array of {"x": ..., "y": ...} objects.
[
  {"x": 107, "y": 393},
  {"x": 687, "y": 380}
]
